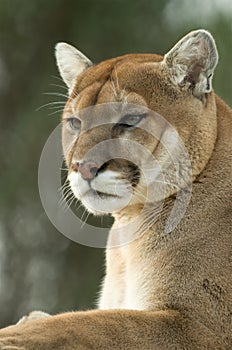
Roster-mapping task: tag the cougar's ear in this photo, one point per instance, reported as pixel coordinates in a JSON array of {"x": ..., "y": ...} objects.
[
  {"x": 191, "y": 62},
  {"x": 70, "y": 62}
]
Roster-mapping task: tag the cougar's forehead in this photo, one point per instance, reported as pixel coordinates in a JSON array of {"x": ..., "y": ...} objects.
[
  {"x": 112, "y": 81},
  {"x": 103, "y": 71}
]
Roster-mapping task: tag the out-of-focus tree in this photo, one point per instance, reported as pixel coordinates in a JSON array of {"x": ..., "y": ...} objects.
[{"x": 39, "y": 268}]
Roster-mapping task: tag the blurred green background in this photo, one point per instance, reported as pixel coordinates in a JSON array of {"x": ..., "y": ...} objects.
[{"x": 39, "y": 267}]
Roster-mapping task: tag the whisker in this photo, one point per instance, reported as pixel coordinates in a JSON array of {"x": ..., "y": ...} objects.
[
  {"x": 85, "y": 220},
  {"x": 80, "y": 204},
  {"x": 65, "y": 184},
  {"x": 54, "y": 107},
  {"x": 85, "y": 210},
  {"x": 88, "y": 215},
  {"x": 63, "y": 87},
  {"x": 63, "y": 203},
  {"x": 71, "y": 201},
  {"x": 55, "y": 94},
  {"x": 58, "y": 78},
  {"x": 59, "y": 111},
  {"x": 67, "y": 200},
  {"x": 66, "y": 192},
  {"x": 60, "y": 86},
  {"x": 50, "y": 104},
  {"x": 65, "y": 197}
]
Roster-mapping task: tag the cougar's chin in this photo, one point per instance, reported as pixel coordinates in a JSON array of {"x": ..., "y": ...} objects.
[
  {"x": 100, "y": 203},
  {"x": 107, "y": 193}
]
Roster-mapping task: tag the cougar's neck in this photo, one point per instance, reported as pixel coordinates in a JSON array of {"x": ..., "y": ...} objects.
[{"x": 136, "y": 221}]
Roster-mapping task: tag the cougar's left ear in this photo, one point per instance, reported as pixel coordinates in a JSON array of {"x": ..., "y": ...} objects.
[
  {"x": 191, "y": 62},
  {"x": 71, "y": 63}
]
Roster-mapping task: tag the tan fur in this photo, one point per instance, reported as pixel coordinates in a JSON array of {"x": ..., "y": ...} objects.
[{"x": 178, "y": 286}]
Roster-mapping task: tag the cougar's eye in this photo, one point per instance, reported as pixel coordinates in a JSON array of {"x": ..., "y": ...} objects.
[
  {"x": 130, "y": 120},
  {"x": 74, "y": 123}
]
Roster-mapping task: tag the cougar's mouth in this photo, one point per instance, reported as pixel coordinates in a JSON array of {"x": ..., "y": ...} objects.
[{"x": 106, "y": 193}]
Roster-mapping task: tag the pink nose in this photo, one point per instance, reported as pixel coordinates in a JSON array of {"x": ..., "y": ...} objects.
[{"x": 88, "y": 170}]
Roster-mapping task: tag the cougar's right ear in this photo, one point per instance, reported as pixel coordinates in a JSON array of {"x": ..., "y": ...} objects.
[
  {"x": 191, "y": 62},
  {"x": 71, "y": 62}
]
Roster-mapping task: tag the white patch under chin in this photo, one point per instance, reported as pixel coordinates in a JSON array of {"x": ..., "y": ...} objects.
[{"x": 106, "y": 193}]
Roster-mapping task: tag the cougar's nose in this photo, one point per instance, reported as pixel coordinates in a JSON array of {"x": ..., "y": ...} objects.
[{"x": 88, "y": 170}]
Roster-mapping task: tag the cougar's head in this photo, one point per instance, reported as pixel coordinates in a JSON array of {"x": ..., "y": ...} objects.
[{"x": 129, "y": 119}]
